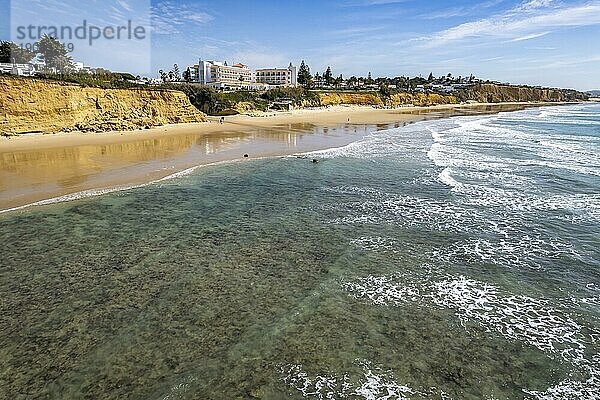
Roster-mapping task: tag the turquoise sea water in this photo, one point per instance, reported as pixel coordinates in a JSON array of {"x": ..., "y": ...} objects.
[{"x": 448, "y": 259}]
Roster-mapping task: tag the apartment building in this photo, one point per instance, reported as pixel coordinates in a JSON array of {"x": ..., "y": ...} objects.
[
  {"x": 194, "y": 73},
  {"x": 18, "y": 69}
]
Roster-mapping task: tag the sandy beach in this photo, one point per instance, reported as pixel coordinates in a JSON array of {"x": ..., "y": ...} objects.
[{"x": 36, "y": 168}]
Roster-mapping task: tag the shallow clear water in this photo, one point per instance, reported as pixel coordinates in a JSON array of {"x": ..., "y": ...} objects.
[{"x": 456, "y": 258}]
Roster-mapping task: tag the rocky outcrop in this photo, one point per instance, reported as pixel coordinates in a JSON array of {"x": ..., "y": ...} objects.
[{"x": 33, "y": 105}]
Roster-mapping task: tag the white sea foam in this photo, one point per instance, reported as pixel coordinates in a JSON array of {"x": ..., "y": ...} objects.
[
  {"x": 73, "y": 197},
  {"x": 180, "y": 389},
  {"x": 571, "y": 389},
  {"x": 467, "y": 157},
  {"x": 103, "y": 191},
  {"x": 372, "y": 146},
  {"x": 522, "y": 318},
  {"x": 375, "y": 243},
  {"x": 511, "y": 251},
  {"x": 500, "y": 241},
  {"x": 446, "y": 178},
  {"x": 474, "y": 144},
  {"x": 384, "y": 290},
  {"x": 373, "y": 384},
  {"x": 535, "y": 322},
  {"x": 398, "y": 143}
]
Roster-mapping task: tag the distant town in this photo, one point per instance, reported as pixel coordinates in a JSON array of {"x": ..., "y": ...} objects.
[
  {"x": 222, "y": 76},
  {"x": 218, "y": 87}
]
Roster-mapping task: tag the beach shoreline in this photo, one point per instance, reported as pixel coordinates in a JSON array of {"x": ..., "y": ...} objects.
[{"x": 40, "y": 169}]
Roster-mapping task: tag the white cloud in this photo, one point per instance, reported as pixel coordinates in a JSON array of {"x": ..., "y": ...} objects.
[
  {"x": 357, "y": 31},
  {"x": 535, "y": 4},
  {"x": 200, "y": 17},
  {"x": 169, "y": 17},
  {"x": 492, "y": 59},
  {"x": 460, "y": 11},
  {"x": 125, "y": 5},
  {"x": 523, "y": 22},
  {"x": 366, "y": 3},
  {"x": 528, "y": 37}
]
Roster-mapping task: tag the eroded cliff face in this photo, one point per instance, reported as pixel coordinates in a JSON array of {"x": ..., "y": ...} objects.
[
  {"x": 337, "y": 98},
  {"x": 374, "y": 99},
  {"x": 421, "y": 99},
  {"x": 492, "y": 93},
  {"x": 32, "y": 105}
]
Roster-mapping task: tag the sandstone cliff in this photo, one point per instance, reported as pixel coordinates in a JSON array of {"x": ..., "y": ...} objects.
[
  {"x": 375, "y": 99},
  {"x": 32, "y": 105},
  {"x": 492, "y": 93},
  {"x": 421, "y": 99},
  {"x": 337, "y": 98}
]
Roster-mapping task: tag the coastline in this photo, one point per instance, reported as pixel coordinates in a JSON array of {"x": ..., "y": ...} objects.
[{"x": 42, "y": 169}]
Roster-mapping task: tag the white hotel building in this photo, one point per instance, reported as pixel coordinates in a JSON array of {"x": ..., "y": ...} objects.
[
  {"x": 278, "y": 76},
  {"x": 239, "y": 76}
]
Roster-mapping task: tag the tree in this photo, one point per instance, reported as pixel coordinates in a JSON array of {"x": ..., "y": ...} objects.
[
  {"x": 338, "y": 81},
  {"x": 384, "y": 90},
  {"x": 187, "y": 75},
  {"x": 5, "y": 52},
  {"x": 328, "y": 76},
  {"x": 12, "y": 53},
  {"x": 176, "y": 74},
  {"x": 402, "y": 82},
  {"x": 163, "y": 75},
  {"x": 304, "y": 76},
  {"x": 55, "y": 54},
  {"x": 430, "y": 77}
]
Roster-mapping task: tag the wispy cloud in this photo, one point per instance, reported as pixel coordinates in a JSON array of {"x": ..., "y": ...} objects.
[
  {"x": 169, "y": 17},
  {"x": 357, "y": 31},
  {"x": 534, "y": 4},
  {"x": 460, "y": 11},
  {"x": 366, "y": 3},
  {"x": 492, "y": 59},
  {"x": 125, "y": 5},
  {"x": 529, "y": 37},
  {"x": 447, "y": 13},
  {"x": 522, "y": 22}
]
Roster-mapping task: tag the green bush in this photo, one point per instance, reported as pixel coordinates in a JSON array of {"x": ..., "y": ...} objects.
[{"x": 104, "y": 80}]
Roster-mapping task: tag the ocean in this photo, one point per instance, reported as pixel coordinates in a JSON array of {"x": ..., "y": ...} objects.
[{"x": 448, "y": 259}]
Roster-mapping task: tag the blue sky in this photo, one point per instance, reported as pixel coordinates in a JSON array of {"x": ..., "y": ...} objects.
[{"x": 545, "y": 42}]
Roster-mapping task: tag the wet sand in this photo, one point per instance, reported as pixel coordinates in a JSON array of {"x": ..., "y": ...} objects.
[{"x": 40, "y": 167}]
